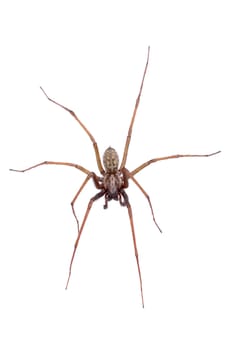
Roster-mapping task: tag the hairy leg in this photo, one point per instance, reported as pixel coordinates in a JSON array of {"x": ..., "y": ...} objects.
[
  {"x": 134, "y": 115},
  {"x": 79, "y": 167},
  {"x": 134, "y": 239},
  {"x": 92, "y": 200},
  {"x": 129, "y": 174},
  {"x": 96, "y": 149},
  {"x": 142, "y": 166}
]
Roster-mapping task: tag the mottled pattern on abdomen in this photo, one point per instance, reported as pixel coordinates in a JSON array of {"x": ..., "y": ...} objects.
[{"x": 110, "y": 160}]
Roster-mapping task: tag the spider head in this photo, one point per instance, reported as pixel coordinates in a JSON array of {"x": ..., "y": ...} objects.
[{"x": 111, "y": 160}]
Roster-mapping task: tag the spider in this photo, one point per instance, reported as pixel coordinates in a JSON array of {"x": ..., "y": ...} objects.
[{"x": 114, "y": 179}]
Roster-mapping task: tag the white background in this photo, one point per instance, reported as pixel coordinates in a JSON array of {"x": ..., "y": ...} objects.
[{"x": 90, "y": 56}]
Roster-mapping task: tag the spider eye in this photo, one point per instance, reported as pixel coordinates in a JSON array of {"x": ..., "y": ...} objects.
[{"x": 111, "y": 160}]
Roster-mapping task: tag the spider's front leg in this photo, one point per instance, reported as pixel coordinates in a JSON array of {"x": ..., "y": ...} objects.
[
  {"x": 76, "y": 196},
  {"x": 92, "y": 200},
  {"x": 98, "y": 182},
  {"x": 127, "y": 204}
]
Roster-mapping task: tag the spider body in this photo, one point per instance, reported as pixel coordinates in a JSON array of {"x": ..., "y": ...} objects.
[
  {"x": 112, "y": 184},
  {"x": 114, "y": 180},
  {"x": 111, "y": 160}
]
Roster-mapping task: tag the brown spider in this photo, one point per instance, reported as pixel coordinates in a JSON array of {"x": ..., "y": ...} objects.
[{"x": 114, "y": 179}]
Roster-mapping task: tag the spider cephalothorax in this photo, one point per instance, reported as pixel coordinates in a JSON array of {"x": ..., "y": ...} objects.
[
  {"x": 114, "y": 179},
  {"x": 113, "y": 185}
]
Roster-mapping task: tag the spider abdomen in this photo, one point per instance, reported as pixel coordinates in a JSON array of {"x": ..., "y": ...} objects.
[{"x": 111, "y": 160}]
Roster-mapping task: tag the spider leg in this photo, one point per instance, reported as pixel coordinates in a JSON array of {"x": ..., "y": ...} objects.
[
  {"x": 97, "y": 185},
  {"x": 90, "y": 174},
  {"x": 142, "y": 166},
  {"x": 134, "y": 115},
  {"x": 129, "y": 174},
  {"x": 96, "y": 149},
  {"x": 76, "y": 196},
  {"x": 79, "y": 167},
  {"x": 92, "y": 200},
  {"x": 126, "y": 202}
]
